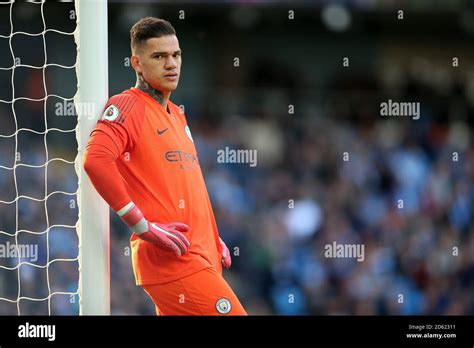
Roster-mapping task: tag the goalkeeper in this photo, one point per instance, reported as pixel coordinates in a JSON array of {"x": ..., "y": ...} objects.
[{"x": 142, "y": 160}]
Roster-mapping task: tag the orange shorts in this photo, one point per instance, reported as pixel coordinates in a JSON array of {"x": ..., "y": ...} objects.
[{"x": 202, "y": 293}]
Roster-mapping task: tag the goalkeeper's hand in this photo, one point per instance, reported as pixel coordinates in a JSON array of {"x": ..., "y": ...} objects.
[
  {"x": 166, "y": 236},
  {"x": 226, "y": 260}
]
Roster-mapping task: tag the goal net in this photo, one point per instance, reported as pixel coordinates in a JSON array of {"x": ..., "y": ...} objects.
[{"x": 53, "y": 226}]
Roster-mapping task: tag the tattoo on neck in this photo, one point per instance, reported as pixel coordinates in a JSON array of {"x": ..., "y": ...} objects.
[{"x": 145, "y": 87}]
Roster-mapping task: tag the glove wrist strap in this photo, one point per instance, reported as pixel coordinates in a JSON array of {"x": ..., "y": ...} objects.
[{"x": 134, "y": 218}]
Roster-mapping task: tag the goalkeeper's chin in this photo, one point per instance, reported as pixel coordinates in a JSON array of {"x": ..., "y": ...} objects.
[{"x": 167, "y": 83}]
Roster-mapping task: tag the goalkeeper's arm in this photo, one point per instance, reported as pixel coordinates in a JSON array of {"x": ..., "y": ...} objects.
[{"x": 99, "y": 164}]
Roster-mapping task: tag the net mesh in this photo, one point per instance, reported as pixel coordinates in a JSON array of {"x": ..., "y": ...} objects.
[{"x": 18, "y": 245}]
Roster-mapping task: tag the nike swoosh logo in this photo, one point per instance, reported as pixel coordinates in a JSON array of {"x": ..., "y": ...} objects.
[{"x": 162, "y": 131}]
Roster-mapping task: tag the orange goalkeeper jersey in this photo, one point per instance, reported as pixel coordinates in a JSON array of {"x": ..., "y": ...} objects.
[{"x": 140, "y": 152}]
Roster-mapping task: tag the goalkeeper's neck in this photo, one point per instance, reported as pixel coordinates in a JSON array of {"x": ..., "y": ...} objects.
[{"x": 160, "y": 97}]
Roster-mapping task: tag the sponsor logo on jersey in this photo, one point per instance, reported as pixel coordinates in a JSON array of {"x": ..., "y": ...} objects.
[{"x": 185, "y": 159}]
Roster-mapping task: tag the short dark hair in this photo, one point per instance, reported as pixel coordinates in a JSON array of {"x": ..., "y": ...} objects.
[{"x": 147, "y": 28}]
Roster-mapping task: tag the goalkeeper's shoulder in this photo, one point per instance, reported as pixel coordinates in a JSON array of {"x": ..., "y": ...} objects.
[{"x": 123, "y": 106}]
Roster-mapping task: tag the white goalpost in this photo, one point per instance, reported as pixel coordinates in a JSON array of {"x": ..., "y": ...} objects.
[
  {"x": 92, "y": 94},
  {"x": 92, "y": 226}
]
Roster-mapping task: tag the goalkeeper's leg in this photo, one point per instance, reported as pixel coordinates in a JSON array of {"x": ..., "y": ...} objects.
[{"x": 203, "y": 293}]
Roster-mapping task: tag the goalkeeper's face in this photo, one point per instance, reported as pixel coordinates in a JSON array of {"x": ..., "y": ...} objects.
[{"x": 159, "y": 61}]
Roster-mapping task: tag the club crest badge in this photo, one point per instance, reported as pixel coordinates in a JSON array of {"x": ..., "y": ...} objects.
[{"x": 223, "y": 306}]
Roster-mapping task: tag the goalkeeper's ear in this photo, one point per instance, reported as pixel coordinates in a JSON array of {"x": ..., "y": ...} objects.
[{"x": 135, "y": 60}]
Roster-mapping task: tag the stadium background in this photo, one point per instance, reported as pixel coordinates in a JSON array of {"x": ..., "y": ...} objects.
[{"x": 281, "y": 268}]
